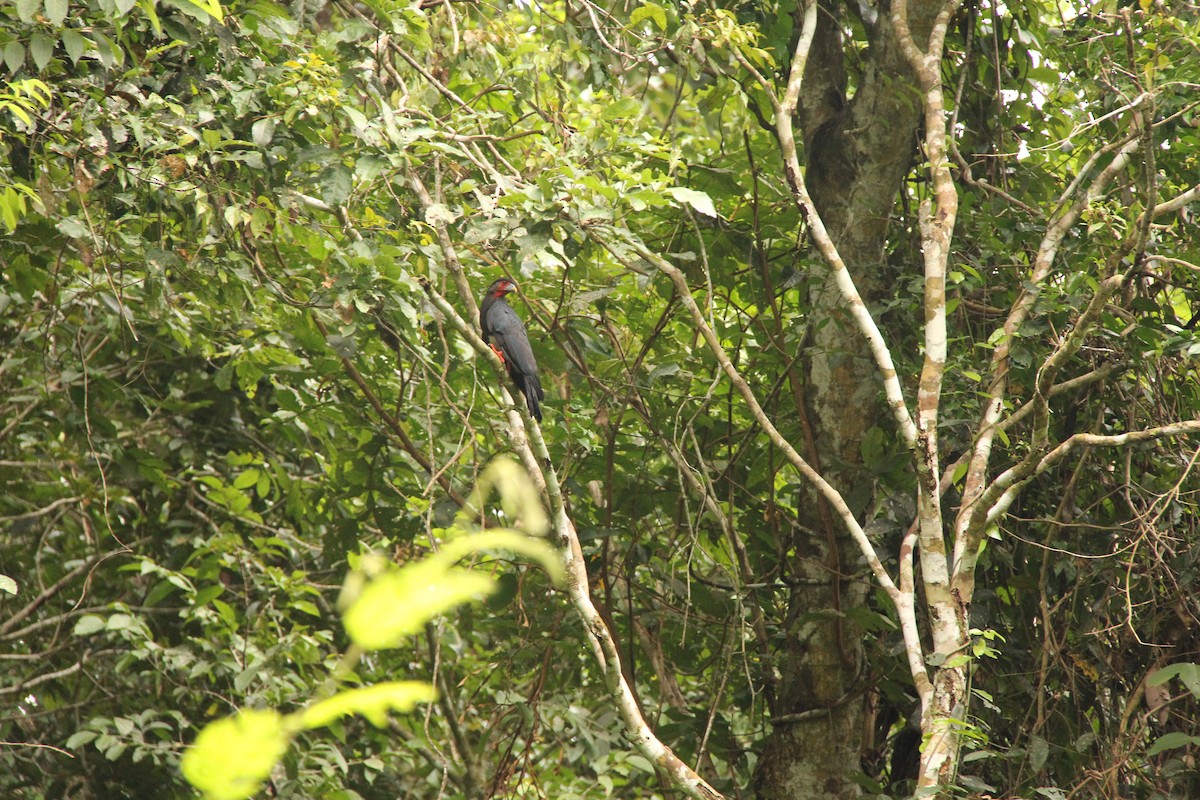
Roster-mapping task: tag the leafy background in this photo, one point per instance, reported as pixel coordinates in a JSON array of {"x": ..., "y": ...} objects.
[{"x": 221, "y": 377}]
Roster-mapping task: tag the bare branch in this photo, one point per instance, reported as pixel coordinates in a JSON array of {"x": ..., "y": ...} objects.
[
  {"x": 1056, "y": 231},
  {"x": 57, "y": 587},
  {"x": 1094, "y": 376},
  {"x": 832, "y": 495},
  {"x": 784, "y": 114},
  {"x": 904, "y": 601},
  {"x": 1185, "y": 428},
  {"x": 1177, "y": 202},
  {"x": 24, "y": 686},
  {"x": 447, "y": 247},
  {"x": 62, "y": 501},
  {"x": 527, "y": 441}
]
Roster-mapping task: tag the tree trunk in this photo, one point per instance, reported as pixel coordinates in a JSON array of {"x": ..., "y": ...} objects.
[{"x": 857, "y": 153}]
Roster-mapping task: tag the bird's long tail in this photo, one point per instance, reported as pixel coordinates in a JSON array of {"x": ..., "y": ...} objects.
[{"x": 532, "y": 389}]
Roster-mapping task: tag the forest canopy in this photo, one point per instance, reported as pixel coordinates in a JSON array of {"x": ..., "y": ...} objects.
[{"x": 867, "y": 459}]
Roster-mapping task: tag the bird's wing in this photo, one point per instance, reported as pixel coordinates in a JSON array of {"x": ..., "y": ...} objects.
[
  {"x": 485, "y": 309},
  {"x": 508, "y": 332}
]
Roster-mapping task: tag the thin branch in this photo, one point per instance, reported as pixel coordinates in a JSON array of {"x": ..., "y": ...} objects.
[
  {"x": 1064, "y": 218},
  {"x": 37, "y": 745},
  {"x": 447, "y": 248},
  {"x": 1101, "y": 373},
  {"x": 832, "y": 495},
  {"x": 1185, "y": 428},
  {"x": 785, "y": 110},
  {"x": 527, "y": 441},
  {"x": 390, "y": 420},
  {"x": 55, "y": 588},
  {"x": 24, "y": 686},
  {"x": 1177, "y": 202},
  {"x": 62, "y": 501}
]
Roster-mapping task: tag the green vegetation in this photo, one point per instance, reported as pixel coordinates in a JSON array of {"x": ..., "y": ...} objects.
[{"x": 256, "y": 461}]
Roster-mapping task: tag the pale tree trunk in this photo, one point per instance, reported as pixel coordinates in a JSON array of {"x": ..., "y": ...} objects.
[
  {"x": 948, "y": 603},
  {"x": 856, "y": 154}
]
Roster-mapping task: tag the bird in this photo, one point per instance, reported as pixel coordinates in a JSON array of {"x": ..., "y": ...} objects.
[{"x": 505, "y": 332}]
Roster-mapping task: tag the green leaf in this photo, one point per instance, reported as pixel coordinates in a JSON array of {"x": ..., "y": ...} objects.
[
  {"x": 1187, "y": 672},
  {"x": 247, "y": 676},
  {"x": 151, "y": 13},
  {"x": 56, "y": 11},
  {"x": 10, "y": 209},
  {"x": 120, "y": 622},
  {"x": 651, "y": 11},
  {"x": 1039, "y": 751},
  {"x": 663, "y": 371},
  {"x": 246, "y": 479},
  {"x": 232, "y": 757},
  {"x": 41, "y": 47},
  {"x": 373, "y": 702},
  {"x": 88, "y": 624},
  {"x": 263, "y": 131},
  {"x": 336, "y": 185},
  {"x": 26, "y": 9},
  {"x": 208, "y": 594},
  {"x": 210, "y": 7},
  {"x": 75, "y": 44},
  {"x": 8, "y": 585},
  {"x": 308, "y": 607},
  {"x": 1052, "y": 793},
  {"x": 699, "y": 201},
  {"x": 14, "y": 55},
  {"x": 110, "y": 55},
  {"x": 1171, "y": 741},
  {"x": 626, "y": 108},
  {"x": 399, "y": 602},
  {"x": 641, "y": 763},
  {"x": 80, "y": 738}
]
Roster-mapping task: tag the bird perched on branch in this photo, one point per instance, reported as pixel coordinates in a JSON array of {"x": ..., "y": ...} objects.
[{"x": 505, "y": 332}]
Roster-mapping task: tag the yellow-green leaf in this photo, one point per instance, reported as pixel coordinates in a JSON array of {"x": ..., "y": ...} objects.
[
  {"x": 373, "y": 702},
  {"x": 233, "y": 756},
  {"x": 210, "y": 7},
  {"x": 400, "y": 602},
  {"x": 651, "y": 11},
  {"x": 534, "y": 549}
]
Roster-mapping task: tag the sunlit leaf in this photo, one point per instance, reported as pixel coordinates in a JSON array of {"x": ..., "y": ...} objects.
[
  {"x": 373, "y": 702},
  {"x": 399, "y": 602},
  {"x": 699, "y": 201},
  {"x": 233, "y": 756}
]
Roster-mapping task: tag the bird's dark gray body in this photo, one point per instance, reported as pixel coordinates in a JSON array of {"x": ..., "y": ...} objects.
[{"x": 505, "y": 331}]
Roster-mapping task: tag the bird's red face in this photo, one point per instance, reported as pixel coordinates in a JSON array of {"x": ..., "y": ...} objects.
[{"x": 503, "y": 287}]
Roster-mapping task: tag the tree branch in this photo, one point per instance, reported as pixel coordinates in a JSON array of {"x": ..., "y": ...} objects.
[
  {"x": 527, "y": 441},
  {"x": 1056, "y": 230},
  {"x": 785, "y": 111},
  {"x": 1014, "y": 485},
  {"x": 739, "y": 383}
]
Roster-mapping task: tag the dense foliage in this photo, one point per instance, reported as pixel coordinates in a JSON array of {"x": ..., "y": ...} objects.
[{"x": 224, "y": 379}]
